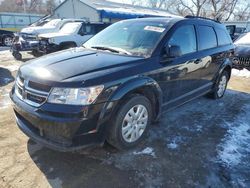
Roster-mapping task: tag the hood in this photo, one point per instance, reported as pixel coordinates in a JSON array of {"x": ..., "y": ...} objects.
[
  {"x": 242, "y": 51},
  {"x": 51, "y": 35},
  {"x": 70, "y": 64},
  {"x": 38, "y": 30}
]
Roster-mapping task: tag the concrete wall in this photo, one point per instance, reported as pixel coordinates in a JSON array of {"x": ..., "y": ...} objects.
[{"x": 76, "y": 9}]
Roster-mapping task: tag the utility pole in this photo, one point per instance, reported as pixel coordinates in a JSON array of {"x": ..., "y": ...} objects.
[{"x": 73, "y": 6}]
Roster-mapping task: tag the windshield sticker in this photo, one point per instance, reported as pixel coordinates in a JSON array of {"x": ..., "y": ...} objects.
[{"x": 154, "y": 28}]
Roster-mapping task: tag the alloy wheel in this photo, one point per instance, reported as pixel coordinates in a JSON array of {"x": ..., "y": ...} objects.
[
  {"x": 222, "y": 86},
  {"x": 134, "y": 123}
]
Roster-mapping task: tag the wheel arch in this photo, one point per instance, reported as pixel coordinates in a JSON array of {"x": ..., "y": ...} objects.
[
  {"x": 138, "y": 86},
  {"x": 226, "y": 66}
]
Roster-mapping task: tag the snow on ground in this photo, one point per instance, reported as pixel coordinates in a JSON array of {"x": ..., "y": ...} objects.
[
  {"x": 235, "y": 146},
  {"x": 146, "y": 151},
  {"x": 241, "y": 73}
]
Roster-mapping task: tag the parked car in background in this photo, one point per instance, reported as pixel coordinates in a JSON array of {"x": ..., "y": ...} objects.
[
  {"x": 27, "y": 39},
  {"x": 120, "y": 81},
  {"x": 235, "y": 31},
  {"x": 70, "y": 35},
  {"x": 31, "y": 33},
  {"x": 6, "y": 37},
  {"x": 242, "y": 52}
]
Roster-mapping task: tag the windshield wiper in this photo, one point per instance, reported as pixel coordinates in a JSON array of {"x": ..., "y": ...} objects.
[{"x": 112, "y": 49}]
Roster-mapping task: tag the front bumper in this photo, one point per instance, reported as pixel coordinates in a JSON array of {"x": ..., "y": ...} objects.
[
  {"x": 60, "y": 127},
  {"x": 24, "y": 45}
]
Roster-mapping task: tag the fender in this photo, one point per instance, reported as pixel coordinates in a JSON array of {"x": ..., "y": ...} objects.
[{"x": 142, "y": 82}]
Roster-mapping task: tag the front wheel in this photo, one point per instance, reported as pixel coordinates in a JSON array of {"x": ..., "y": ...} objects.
[
  {"x": 131, "y": 123},
  {"x": 17, "y": 55},
  {"x": 221, "y": 86}
]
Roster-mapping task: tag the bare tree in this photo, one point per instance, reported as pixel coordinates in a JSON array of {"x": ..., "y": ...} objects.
[
  {"x": 242, "y": 13},
  {"x": 222, "y": 9}
]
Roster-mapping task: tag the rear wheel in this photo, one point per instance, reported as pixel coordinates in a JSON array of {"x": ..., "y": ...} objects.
[
  {"x": 131, "y": 123},
  {"x": 221, "y": 86}
]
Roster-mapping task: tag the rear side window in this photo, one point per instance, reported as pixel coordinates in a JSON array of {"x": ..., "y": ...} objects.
[
  {"x": 223, "y": 37},
  {"x": 207, "y": 37},
  {"x": 185, "y": 38}
]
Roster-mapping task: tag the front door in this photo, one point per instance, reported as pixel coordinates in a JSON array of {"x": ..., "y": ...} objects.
[{"x": 179, "y": 77}]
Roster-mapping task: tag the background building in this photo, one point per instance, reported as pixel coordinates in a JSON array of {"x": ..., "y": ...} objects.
[
  {"x": 103, "y": 11},
  {"x": 15, "y": 21}
]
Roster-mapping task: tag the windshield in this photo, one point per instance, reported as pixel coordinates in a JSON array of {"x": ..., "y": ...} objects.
[
  {"x": 52, "y": 23},
  {"x": 129, "y": 37},
  {"x": 244, "y": 39},
  {"x": 70, "y": 28}
]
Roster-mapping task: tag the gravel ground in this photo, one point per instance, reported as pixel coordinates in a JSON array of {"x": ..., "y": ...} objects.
[{"x": 204, "y": 143}]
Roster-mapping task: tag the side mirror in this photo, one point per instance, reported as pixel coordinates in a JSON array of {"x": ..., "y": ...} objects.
[
  {"x": 173, "y": 51},
  {"x": 82, "y": 33}
]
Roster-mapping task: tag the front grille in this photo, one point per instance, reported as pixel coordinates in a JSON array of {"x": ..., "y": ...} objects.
[
  {"x": 35, "y": 98},
  {"x": 30, "y": 92},
  {"x": 39, "y": 86},
  {"x": 243, "y": 61}
]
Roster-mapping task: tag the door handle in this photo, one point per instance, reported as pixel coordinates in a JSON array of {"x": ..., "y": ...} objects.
[{"x": 197, "y": 61}]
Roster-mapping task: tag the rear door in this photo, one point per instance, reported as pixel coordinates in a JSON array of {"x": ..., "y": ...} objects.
[{"x": 213, "y": 49}]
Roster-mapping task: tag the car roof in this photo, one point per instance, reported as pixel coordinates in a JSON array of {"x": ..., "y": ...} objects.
[{"x": 172, "y": 20}]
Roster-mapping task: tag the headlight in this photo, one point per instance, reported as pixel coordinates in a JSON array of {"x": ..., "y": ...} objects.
[
  {"x": 75, "y": 96},
  {"x": 51, "y": 40}
]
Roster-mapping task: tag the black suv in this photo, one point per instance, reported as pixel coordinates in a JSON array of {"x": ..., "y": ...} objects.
[{"x": 113, "y": 87}]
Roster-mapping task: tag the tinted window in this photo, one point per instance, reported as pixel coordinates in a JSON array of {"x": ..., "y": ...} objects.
[
  {"x": 223, "y": 37},
  {"x": 88, "y": 29},
  {"x": 207, "y": 37},
  {"x": 185, "y": 38}
]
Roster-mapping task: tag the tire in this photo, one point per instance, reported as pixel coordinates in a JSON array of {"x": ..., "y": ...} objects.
[
  {"x": 7, "y": 41},
  {"x": 36, "y": 53},
  {"x": 67, "y": 46},
  {"x": 121, "y": 133},
  {"x": 220, "y": 86},
  {"x": 17, "y": 56}
]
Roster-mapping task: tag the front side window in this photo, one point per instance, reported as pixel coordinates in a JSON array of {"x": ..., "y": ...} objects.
[
  {"x": 207, "y": 37},
  {"x": 185, "y": 38},
  {"x": 130, "y": 37}
]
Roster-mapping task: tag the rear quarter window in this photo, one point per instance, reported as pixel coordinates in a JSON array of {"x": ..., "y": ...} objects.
[
  {"x": 207, "y": 37},
  {"x": 223, "y": 37}
]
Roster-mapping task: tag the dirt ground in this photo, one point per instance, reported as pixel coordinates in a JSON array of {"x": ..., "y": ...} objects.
[{"x": 204, "y": 143}]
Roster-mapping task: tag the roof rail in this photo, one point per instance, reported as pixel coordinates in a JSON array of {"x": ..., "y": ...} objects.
[{"x": 199, "y": 17}]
